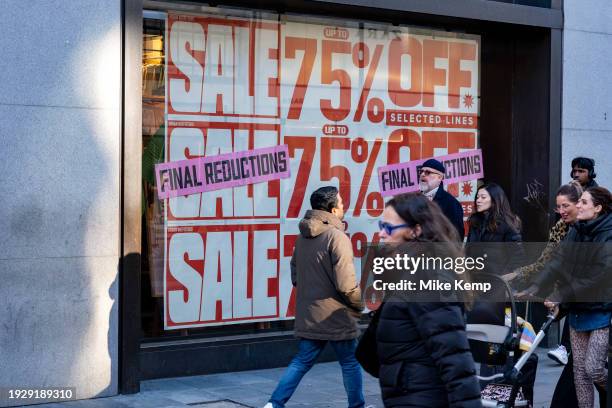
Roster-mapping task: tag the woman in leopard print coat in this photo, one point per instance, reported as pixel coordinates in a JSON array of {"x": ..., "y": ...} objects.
[{"x": 567, "y": 198}]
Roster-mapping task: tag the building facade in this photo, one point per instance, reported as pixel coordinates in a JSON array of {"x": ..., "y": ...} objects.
[{"x": 106, "y": 285}]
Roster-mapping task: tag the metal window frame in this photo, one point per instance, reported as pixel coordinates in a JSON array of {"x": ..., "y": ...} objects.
[{"x": 131, "y": 194}]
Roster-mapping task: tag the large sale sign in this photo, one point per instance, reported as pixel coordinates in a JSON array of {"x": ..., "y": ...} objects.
[{"x": 345, "y": 101}]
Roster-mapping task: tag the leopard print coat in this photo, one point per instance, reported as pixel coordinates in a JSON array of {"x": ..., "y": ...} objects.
[{"x": 556, "y": 235}]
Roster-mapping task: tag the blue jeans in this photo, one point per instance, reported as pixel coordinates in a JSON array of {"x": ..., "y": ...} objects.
[{"x": 304, "y": 360}]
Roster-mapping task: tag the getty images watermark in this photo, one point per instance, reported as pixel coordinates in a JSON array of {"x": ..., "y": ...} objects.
[
  {"x": 446, "y": 271},
  {"x": 402, "y": 264}
]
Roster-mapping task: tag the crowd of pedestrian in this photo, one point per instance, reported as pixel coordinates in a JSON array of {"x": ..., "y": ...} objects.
[{"x": 419, "y": 350}]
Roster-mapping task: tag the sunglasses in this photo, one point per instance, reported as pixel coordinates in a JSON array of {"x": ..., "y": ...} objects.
[{"x": 389, "y": 228}]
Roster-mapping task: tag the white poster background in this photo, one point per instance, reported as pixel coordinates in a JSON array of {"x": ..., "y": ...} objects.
[{"x": 230, "y": 87}]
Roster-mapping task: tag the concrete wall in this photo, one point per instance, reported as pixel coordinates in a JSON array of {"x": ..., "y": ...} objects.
[
  {"x": 59, "y": 161},
  {"x": 587, "y": 86}
]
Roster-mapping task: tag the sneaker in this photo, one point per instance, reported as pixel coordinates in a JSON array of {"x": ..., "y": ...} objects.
[{"x": 559, "y": 355}]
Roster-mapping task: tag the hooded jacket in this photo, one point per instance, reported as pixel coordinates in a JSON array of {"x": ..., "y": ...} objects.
[
  {"x": 328, "y": 297},
  {"x": 582, "y": 266}
]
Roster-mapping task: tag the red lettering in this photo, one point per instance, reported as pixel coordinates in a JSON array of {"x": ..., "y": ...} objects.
[
  {"x": 402, "y": 138},
  {"x": 456, "y": 77},
  {"x": 329, "y": 76},
  {"x": 336, "y": 33},
  {"x": 308, "y": 145},
  {"x": 309, "y": 46},
  {"x": 397, "y": 48},
  {"x": 433, "y": 76},
  {"x": 340, "y": 172}
]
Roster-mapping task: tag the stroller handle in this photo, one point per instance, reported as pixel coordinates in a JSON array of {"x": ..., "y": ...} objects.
[
  {"x": 549, "y": 319},
  {"x": 538, "y": 339},
  {"x": 491, "y": 378},
  {"x": 521, "y": 362}
]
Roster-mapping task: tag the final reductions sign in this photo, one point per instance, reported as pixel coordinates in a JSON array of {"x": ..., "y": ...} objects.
[{"x": 345, "y": 101}]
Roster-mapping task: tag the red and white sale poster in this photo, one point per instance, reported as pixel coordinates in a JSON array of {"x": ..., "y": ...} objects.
[{"x": 344, "y": 99}]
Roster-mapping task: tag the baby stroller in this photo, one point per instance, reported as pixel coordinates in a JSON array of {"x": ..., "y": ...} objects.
[{"x": 498, "y": 344}]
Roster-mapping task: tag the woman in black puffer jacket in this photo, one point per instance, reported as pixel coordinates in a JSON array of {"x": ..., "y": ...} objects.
[
  {"x": 424, "y": 355},
  {"x": 495, "y": 230},
  {"x": 583, "y": 265}
]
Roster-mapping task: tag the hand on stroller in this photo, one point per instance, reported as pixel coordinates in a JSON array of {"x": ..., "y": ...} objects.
[
  {"x": 553, "y": 307},
  {"x": 509, "y": 276},
  {"x": 529, "y": 294}
]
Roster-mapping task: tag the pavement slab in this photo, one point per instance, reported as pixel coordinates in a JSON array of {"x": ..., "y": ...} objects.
[{"x": 321, "y": 387}]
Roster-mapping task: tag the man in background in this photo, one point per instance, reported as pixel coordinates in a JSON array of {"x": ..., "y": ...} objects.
[
  {"x": 431, "y": 175},
  {"x": 583, "y": 171}
]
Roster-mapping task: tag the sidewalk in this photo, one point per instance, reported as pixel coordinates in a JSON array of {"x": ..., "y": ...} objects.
[{"x": 321, "y": 387}]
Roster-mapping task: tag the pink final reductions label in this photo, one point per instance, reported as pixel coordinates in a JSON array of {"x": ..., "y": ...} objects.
[
  {"x": 186, "y": 177},
  {"x": 403, "y": 177}
]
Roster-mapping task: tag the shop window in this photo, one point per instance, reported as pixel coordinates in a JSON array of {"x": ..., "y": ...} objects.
[{"x": 345, "y": 97}]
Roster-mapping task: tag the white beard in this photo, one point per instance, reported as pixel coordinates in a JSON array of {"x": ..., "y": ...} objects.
[{"x": 426, "y": 187}]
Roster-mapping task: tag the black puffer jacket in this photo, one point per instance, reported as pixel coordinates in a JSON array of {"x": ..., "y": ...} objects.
[
  {"x": 425, "y": 356},
  {"x": 582, "y": 266},
  {"x": 503, "y": 246}
]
